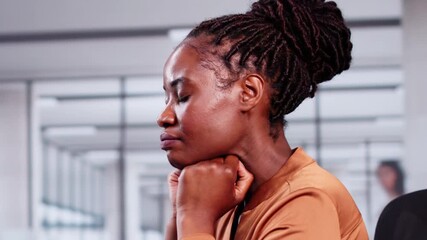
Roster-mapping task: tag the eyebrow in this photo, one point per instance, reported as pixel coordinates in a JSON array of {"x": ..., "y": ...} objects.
[{"x": 175, "y": 82}]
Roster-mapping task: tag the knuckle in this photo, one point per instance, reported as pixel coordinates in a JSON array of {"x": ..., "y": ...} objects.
[{"x": 228, "y": 171}]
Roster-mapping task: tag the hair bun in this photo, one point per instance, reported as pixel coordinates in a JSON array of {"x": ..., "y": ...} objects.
[{"x": 314, "y": 30}]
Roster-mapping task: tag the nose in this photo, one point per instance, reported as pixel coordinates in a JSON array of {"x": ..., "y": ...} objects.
[{"x": 166, "y": 118}]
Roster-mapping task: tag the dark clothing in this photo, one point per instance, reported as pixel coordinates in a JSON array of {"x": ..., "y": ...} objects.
[{"x": 405, "y": 218}]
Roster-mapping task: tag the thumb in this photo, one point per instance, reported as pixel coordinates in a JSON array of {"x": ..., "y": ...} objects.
[{"x": 244, "y": 181}]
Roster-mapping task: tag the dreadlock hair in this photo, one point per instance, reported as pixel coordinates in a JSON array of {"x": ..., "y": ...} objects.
[{"x": 295, "y": 44}]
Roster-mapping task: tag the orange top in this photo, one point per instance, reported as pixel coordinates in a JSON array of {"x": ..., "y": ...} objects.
[{"x": 301, "y": 201}]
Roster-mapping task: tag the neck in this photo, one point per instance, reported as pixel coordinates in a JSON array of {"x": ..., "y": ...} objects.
[
  {"x": 263, "y": 156},
  {"x": 393, "y": 194}
]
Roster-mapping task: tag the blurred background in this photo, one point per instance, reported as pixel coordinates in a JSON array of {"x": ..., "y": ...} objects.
[{"x": 81, "y": 87}]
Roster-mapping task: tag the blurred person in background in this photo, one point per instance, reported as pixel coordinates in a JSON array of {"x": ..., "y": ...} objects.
[
  {"x": 391, "y": 178},
  {"x": 228, "y": 86}
]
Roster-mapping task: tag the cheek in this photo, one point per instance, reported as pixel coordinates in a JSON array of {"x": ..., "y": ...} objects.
[
  {"x": 209, "y": 127},
  {"x": 192, "y": 120},
  {"x": 389, "y": 180},
  {"x": 392, "y": 178}
]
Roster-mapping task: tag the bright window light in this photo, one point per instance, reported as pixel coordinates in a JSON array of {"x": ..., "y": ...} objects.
[
  {"x": 47, "y": 102},
  {"x": 107, "y": 154},
  {"x": 106, "y": 157},
  {"x": 71, "y": 131},
  {"x": 390, "y": 122}
]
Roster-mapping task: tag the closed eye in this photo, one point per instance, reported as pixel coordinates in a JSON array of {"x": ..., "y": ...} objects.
[{"x": 183, "y": 99}]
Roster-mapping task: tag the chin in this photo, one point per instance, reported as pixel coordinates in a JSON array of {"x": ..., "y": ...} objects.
[
  {"x": 180, "y": 162},
  {"x": 176, "y": 165},
  {"x": 176, "y": 162}
]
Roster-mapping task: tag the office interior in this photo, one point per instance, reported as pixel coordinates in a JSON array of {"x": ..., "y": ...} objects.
[{"x": 81, "y": 88}]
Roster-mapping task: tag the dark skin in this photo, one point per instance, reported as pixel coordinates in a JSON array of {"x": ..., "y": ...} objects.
[{"x": 218, "y": 138}]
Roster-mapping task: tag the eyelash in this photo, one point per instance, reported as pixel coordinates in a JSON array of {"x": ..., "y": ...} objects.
[
  {"x": 179, "y": 99},
  {"x": 183, "y": 99}
]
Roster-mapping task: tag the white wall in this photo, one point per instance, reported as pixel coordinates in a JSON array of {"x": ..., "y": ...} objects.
[
  {"x": 415, "y": 62},
  {"x": 14, "y": 212},
  {"x": 111, "y": 201},
  {"x": 133, "y": 231}
]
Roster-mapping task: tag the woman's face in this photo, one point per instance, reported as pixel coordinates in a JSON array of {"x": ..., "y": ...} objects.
[
  {"x": 387, "y": 177},
  {"x": 200, "y": 120}
]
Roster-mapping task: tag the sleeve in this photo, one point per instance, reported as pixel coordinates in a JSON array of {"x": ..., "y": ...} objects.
[
  {"x": 199, "y": 236},
  {"x": 306, "y": 214}
]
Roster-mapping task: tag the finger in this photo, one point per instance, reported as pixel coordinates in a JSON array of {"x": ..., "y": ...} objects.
[
  {"x": 243, "y": 173},
  {"x": 218, "y": 160},
  {"x": 244, "y": 182},
  {"x": 209, "y": 162},
  {"x": 232, "y": 162},
  {"x": 174, "y": 175}
]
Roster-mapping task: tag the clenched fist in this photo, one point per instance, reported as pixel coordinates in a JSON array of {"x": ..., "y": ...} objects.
[{"x": 208, "y": 190}]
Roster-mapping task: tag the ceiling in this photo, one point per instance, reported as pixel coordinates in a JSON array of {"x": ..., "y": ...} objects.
[
  {"x": 20, "y": 16},
  {"x": 50, "y": 39}
]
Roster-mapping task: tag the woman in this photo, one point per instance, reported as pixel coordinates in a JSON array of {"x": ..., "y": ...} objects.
[
  {"x": 228, "y": 86},
  {"x": 391, "y": 178}
]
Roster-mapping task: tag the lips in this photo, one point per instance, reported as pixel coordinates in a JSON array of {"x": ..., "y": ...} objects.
[{"x": 168, "y": 141}]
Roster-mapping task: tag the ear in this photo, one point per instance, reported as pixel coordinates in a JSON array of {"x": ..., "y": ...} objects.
[{"x": 252, "y": 91}]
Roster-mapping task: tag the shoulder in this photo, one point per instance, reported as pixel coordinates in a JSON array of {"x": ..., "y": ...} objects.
[
  {"x": 414, "y": 201},
  {"x": 311, "y": 206},
  {"x": 307, "y": 213},
  {"x": 318, "y": 182},
  {"x": 309, "y": 199},
  {"x": 315, "y": 177},
  {"x": 406, "y": 215}
]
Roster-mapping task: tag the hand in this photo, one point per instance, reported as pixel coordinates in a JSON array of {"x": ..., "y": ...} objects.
[
  {"x": 171, "y": 231},
  {"x": 207, "y": 190},
  {"x": 173, "y": 187}
]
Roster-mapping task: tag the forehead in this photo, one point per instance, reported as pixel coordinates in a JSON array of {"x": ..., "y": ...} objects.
[
  {"x": 181, "y": 62},
  {"x": 196, "y": 61}
]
